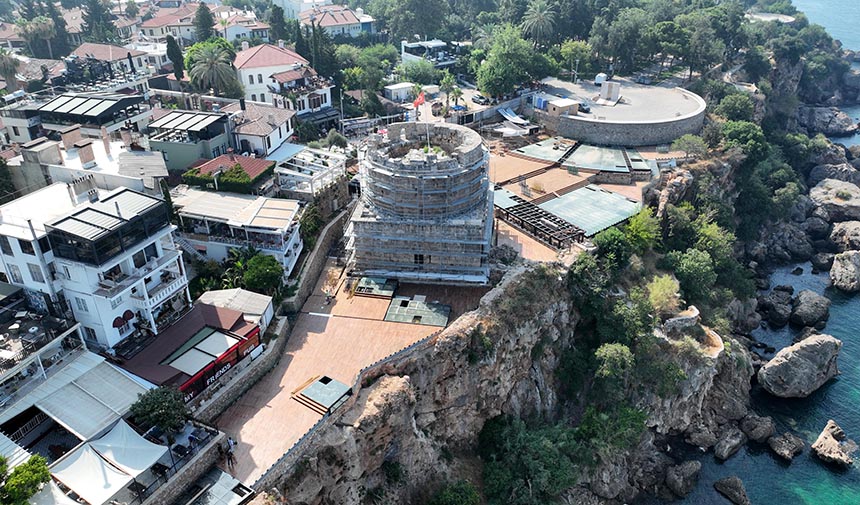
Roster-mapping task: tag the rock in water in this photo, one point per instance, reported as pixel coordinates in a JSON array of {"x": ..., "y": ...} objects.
[
  {"x": 845, "y": 272},
  {"x": 786, "y": 446},
  {"x": 798, "y": 370},
  {"x": 840, "y": 200},
  {"x": 826, "y": 120},
  {"x": 823, "y": 261},
  {"x": 834, "y": 446},
  {"x": 733, "y": 489},
  {"x": 729, "y": 443},
  {"x": 682, "y": 479},
  {"x": 846, "y": 235},
  {"x": 810, "y": 309},
  {"x": 757, "y": 428}
]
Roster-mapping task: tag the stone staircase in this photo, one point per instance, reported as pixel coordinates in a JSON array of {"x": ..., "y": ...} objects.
[{"x": 188, "y": 248}]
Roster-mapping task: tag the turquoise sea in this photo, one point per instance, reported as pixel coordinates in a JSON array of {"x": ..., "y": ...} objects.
[{"x": 806, "y": 481}]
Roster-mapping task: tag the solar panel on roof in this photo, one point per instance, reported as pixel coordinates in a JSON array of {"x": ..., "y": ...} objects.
[
  {"x": 206, "y": 122},
  {"x": 56, "y": 102},
  {"x": 71, "y": 104}
]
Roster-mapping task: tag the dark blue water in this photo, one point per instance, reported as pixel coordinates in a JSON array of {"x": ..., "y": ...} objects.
[{"x": 806, "y": 480}]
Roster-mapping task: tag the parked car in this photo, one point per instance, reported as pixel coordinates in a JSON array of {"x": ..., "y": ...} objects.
[
  {"x": 480, "y": 100},
  {"x": 584, "y": 107}
]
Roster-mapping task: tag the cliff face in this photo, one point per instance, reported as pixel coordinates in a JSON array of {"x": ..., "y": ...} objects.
[{"x": 396, "y": 442}]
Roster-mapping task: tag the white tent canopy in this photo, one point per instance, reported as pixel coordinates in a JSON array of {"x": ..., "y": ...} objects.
[
  {"x": 51, "y": 494},
  {"x": 91, "y": 477},
  {"x": 123, "y": 447}
]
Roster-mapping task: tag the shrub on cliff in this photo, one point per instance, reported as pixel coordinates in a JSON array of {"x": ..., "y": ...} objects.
[
  {"x": 459, "y": 493},
  {"x": 736, "y": 107},
  {"x": 613, "y": 247}
]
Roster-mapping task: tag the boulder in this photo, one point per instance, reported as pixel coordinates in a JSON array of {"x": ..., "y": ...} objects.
[
  {"x": 799, "y": 369},
  {"x": 839, "y": 200},
  {"x": 846, "y": 235},
  {"x": 833, "y": 154},
  {"x": 733, "y": 489},
  {"x": 776, "y": 306},
  {"x": 845, "y": 272},
  {"x": 810, "y": 309},
  {"x": 682, "y": 479},
  {"x": 743, "y": 315},
  {"x": 757, "y": 428},
  {"x": 729, "y": 443},
  {"x": 827, "y": 120},
  {"x": 786, "y": 446},
  {"x": 822, "y": 261},
  {"x": 804, "y": 334},
  {"x": 785, "y": 243},
  {"x": 816, "y": 228},
  {"x": 834, "y": 446},
  {"x": 842, "y": 171}
]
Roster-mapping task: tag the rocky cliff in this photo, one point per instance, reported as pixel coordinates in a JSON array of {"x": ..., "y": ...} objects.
[{"x": 422, "y": 414}]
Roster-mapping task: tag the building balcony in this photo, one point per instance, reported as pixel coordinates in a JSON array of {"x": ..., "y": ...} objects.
[
  {"x": 110, "y": 288},
  {"x": 267, "y": 245},
  {"x": 25, "y": 339},
  {"x": 159, "y": 294}
]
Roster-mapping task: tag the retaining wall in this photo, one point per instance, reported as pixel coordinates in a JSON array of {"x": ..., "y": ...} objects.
[
  {"x": 313, "y": 266},
  {"x": 188, "y": 474},
  {"x": 211, "y": 404}
]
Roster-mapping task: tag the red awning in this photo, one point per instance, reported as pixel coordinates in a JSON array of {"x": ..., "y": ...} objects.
[
  {"x": 128, "y": 315},
  {"x": 118, "y": 322}
]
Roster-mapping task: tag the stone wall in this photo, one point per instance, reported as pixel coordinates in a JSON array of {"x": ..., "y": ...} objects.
[
  {"x": 211, "y": 404},
  {"x": 188, "y": 474},
  {"x": 631, "y": 134},
  {"x": 313, "y": 266}
]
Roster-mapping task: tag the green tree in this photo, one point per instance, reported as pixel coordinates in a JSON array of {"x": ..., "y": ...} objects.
[
  {"x": 213, "y": 69},
  {"x": 174, "y": 54},
  {"x": 131, "y": 9},
  {"x": 680, "y": 233},
  {"x": 371, "y": 104},
  {"x": 736, "y": 107},
  {"x": 614, "y": 247},
  {"x": 278, "y": 23},
  {"x": 626, "y": 36},
  {"x": 446, "y": 85},
  {"x": 747, "y": 136},
  {"x": 695, "y": 272},
  {"x": 459, "y": 493},
  {"x": 643, "y": 231},
  {"x": 577, "y": 53},
  {"x": 335, "y": 139},
  {"x": 24, "y": 481},
  {"x": 163, "y": 407},
  {"x": 265, "y": 274},
  {"x": 204, "y": 23},
  {"x": 511, "y": 62},
  {"x": 691, "y": 145},
  {"x": 663, "y": 294},
  {"x": 756, "y": 64},
  {"x": 704, "y": 48},
  {"x": 614, "y": 361},
  {"x": 669, "y": 39},
  {"x": 60, "y": 42},
  {"x": 8, "y": 70},
  {"x": 419, "y": 72},
  {"x": 539, "y": 21},
  {"x": 98, "y": 25}
]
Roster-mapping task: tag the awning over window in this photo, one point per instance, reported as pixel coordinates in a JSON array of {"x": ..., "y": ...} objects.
[
  {"x": 129, "y": 451},
  {"x": 89, "y": 475}
]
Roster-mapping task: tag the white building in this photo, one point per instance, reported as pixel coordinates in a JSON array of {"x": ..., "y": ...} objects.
[
  {"x": 255, "y": 307},
  {"x": 212, "y": 223},
  {"x": 435, "y": 51},
  {"x": 338, "y": 20},
  {"x": 179, "y": 24},
  {"x": 238, "y": 27},
  {"x": 292, "y": 8},
  {"x": 156, "y": 53},
  {"x": 308, "y": 172},
  {"x": 399, "y": 92},
  {"x": 109, "y": 255},
  {"x": 257, "y": 65},
  {"x": 260, "y": 128}
]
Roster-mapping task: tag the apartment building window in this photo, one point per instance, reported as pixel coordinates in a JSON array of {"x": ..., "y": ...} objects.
[
  {"x": 44, "y": 244},
  {"x": 253, "y": 97},
  {"x": 26, "y": 247},
  {"x": 4, "y": 245},
  {"x": 280, "y": 133},
  {"x": 36, "y": 272},
  {"x": 259, "y": 78},
  {"x": 15, "y": 131},
  {"x": 89, "y": 333},
  {"x": 262, "y": 97},
  {"x": 268, "y": 143},
  {"x": 251, "y": 79},
  {"x": 420, "y": 259},
  {"x": 81, "y": 304},
  {"x": 15, "y": 273},
  {"x": 139, "y": 259},
  {"x": 124, "y": 328},
  {"x": 116, "y": 302}
]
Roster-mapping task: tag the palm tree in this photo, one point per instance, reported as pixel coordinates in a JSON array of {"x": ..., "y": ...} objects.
[
  {"x": 456, "y": 94},
  {"x": 212, "y": 69},
  {"x": 27, "y": 32},
  {"x": 482, "y": 38},
  {"x": 9, "y": 69},
  {"x": 223, "y": 22},
  {"x": 44, "y": 28},
  {"x": 539, "y": 21},
  {"x": 446, "y": 85}
]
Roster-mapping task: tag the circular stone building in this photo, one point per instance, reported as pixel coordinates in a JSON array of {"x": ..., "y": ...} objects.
[
  {"x": 425, "y": 213},
  {"x": 642, "y": 116}
]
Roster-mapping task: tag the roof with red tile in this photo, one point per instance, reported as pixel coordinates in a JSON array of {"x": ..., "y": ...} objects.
[
  {"x": 329, "y": 15},
  {"x": 257, "y": 119},
  {"x": 267, "y": 55},
  {"x": 105, "y": 52},
  {"x": 254, "y": 167},
  {"x": 295, "y": 74}
]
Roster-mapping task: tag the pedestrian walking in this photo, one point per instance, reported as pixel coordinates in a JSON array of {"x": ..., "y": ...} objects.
[{"x": 231, "y": 460}]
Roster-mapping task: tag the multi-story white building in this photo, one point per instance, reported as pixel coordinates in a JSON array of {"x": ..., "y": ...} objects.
[
  {"x": 212, "y": 223},
  {"x": 255, "y": 66},
  {"x": 338, "y": 20},
  {"x": 259, "y": 128},
  {"x": 109, "y": 255},
  {"x": 238, "y": 27},
  {"x": 292, "y": 8},
  {"x": 179, "y": 24}
]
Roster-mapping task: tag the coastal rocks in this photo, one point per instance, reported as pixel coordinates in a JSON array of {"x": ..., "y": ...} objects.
[
  {"x": 834, "y": 446},
  {"x": 757, "y": 428},
  {"x": 846, "y": 235},
  {"x": 839, "y": 200},
  {"x": 786, "y": 446},
  {"x": 822, "y": 261},
  {"x": 845, "y": 272},
  {"x": 833, "y": 154},
  {"x": 816, "y": 228},
  {"x": 682, "y": 479},
  {"x": 733, "y": 489},
  {"x": 826, "y": 120},
  {"x": 729, "y": 443},
  {"x": 776, "y": 306},
  {"x": 798, "y": 370},
  {"x": 842, "y": 172},
  {"x": 810, "y": 309},
  {"x": 675, "y": 189},
  {"x": 783, "y": 244},
  {"x": 743, "y": 315}
]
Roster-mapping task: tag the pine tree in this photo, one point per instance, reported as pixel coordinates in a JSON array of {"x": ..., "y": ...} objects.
[
  {"x": 278, "y": 24},
  {"x": 174, "y": 53},
  {"x": 302, "y": 46},
  {"x": 203, "y": 23},
  {"x": 98, "y": 22},
  {"x": 60, "y": 43}
]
